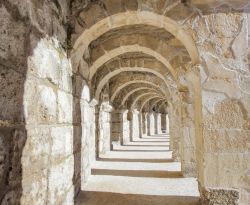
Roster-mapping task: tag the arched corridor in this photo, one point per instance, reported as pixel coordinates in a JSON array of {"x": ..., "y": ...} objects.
[
  {"x": 117, "y": 102},
  {"x": 139, "y": 172}
]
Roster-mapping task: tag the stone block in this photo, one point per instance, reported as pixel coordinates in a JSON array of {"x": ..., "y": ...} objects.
[
  {"x": 46, "y": 60},
  {"x": 226, "y": 141},
  {"x": 65, "y": 80},
  {"x": 69, "y": 197},
  {"x": 65, "y": 107},
  {"x": 60, "y": 180},
  {"x": 11, "y": 95},
  {"x": 34, "y": 190},
  {"x": 36, "y": 151},
  {"x": 227, "y": 114},
  {"x": 61, "y": 141},
  {"x": 47, "y": 104},
  {"x": 219, "y": 196},
  {"x": 13, "y": 40}
]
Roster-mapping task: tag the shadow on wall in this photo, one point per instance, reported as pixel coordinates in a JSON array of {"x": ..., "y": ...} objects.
[{"x": 35, "y": 128}]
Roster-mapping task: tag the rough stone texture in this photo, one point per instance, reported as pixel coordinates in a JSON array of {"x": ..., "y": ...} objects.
[
  {"x": 225, "y": 114},
  {"x": 135, "y": 125},
  {"x": 49, "y": 146},
  {"x": 23, "y": 24},
  {"x": 219, "y": 197},
  {"x": 57, "y": 93},
  {"x": 151, "y": 124},
  {"x": 104, "y": 135}
]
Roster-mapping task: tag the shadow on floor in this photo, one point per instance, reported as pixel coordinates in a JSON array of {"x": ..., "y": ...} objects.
[
  {"x": 107, "y": 198},
  {"x": 138, "y": 173},
  {"x": 134, "y": 160}
]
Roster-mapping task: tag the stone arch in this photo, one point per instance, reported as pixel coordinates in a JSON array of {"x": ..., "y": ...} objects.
[
  {"x": 126, "y": 49},
  {"x": 129, "y": 18},
  {"x": 157, "y": 101},
  {"x": 144, "y": 103},
  {"x": 126, "y": 69},
  {"x": 143, "y": 95},
  {"x": 132, "y": 91},
  {"x": 133, "y": 82}
]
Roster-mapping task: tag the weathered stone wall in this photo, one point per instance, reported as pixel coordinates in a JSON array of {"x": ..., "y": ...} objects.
[
  {"x": 223, "y": 43},
  {"x": 30, "y": 146},
  {"x": 50, "y": 143}
]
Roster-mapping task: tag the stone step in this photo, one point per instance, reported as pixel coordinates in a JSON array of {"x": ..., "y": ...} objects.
[
  {"x": 137, "y": 169},
  {"x": 150, "y": 139},
  {"x": 135, "y": 156},
  {"x": 124, "y": 190},
  {"x": 147, "y": 143},
  {"x": 139, "y": 148}
]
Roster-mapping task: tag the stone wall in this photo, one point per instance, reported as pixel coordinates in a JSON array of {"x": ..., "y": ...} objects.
[
  {"x": 50, "y": 144},
  {"x": 222, "y": 40},
  {"x": 42, "y": 84}
]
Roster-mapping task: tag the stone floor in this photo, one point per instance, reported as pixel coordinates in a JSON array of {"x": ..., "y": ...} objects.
[{"x": 141, "y": 172}]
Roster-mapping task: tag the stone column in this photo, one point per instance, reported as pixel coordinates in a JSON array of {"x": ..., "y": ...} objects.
[
  {"x": 92, "y": 131},
  {"x": 151, "y": 124},
  {"x": 165, "y": 123},
  {"x": 88, "y": 148},
  {"x": 104, "y": 139},
  {"x": 144, "y": 124},
  {"x": 135, "y": 125},
  {"x": 120, "y": 126},
  {"x": 194, "y": 140},
  {"x": 158, "y": 123},
  {"x": 188, "y": 158},
  {"x": 175, "y": 132}
]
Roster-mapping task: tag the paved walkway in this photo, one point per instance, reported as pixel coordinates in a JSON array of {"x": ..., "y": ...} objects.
[{"x": 141, "y": 172}]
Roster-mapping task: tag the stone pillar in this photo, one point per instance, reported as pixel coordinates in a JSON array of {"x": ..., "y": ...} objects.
[
  {"x": 135, "y": 125},
  {"x": 151, "y": 124},
  {"x": 188, "y": 158},
  {"x": 120, "y": 126},
  {"x": 165, "y": 123},
  {"x": 144, "y": 124},
  {"x": 158, "y": 123},
  {"x": 104, "y": 137},
  {"x": 174, "y": 112},
  {"x": 88, "y": 148}
]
